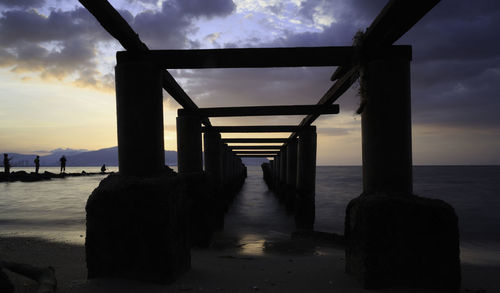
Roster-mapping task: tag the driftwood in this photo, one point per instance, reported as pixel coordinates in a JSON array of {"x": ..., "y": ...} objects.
[{"x": 45, "y": 277}]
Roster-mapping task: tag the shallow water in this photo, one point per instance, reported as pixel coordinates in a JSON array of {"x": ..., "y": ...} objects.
[{"x": 55, "y": 209}]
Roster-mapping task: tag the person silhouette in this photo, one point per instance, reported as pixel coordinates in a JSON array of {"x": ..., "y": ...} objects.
[
  {"x": 63, "y": 164},
  {"x": 103, "y": 168},
  {"x": 37, "y": 164},
  {"x": 6, "y": 163}
]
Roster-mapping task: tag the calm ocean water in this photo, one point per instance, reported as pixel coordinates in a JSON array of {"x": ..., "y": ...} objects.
[{"x": 55, "y": 209}]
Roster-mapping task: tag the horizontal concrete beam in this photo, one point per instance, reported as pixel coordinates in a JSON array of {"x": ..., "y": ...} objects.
[
  {"x": 263, "y": 110},
  {"x": 255, "y": 147},
  {"x": 258, "y": 128},
  {"x": 244, "y": 57},
  {"x": 256, "y": 152},
  {"x": 254, "y": 140},
  {"x": 255, "y": 156}
]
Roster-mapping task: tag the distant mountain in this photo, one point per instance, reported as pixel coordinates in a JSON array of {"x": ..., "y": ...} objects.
[{"x": 108, "y": 156}]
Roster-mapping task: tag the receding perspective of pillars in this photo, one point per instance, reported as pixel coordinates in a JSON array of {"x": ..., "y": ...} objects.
[
  {"x": 306, "y": 179},
  {"x": 386, "y": 127},
  {"x": 189, "y": 156},
  {"x": 139, "y": 108}
]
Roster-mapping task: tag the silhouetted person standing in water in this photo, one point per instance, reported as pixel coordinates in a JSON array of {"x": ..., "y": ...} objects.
[
  {"x": 37, "y": 164},
  {"x": 103, "y": 168},
  {"x": 6, "y": 163},
  {"x": 63, "y": 164}
]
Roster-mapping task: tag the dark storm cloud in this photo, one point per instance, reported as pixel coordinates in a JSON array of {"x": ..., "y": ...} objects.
[
  {"x": 456, "y": 57},
  {"x": 64, "y": 43},
  {"x": 456, "y": 65},
  {"x": 206, "y": 8},
  {"x": 169, "y": 28},
  {"x": 58, "y": 45},
  {"x": 22, "y": 3}
]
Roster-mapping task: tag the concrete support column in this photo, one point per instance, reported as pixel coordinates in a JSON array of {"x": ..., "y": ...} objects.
[
  {"x": 283, "y": 166},
  {"x": 291, "y": 174},
  {"x": 227, "y": 166},
  {"x": 306, "y": 179},
  {"x": 213, "y": 157},
  {"x": 277, "y": 170},
  {"x": 386, "y": 126},
  {"x": 392, "y": 235},
  {"x": 189, "y": 157},
  {"x": 291, "y": 163},
  {"x": 139, "y": 108}
]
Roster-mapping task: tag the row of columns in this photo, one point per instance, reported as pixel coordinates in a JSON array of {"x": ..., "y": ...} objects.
[
  {"x": 139, "y": 102},
  {"x": 221, "y": 164},
  {"x": 293, "y": 176}
]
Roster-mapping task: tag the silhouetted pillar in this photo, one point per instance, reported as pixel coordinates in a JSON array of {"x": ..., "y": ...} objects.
[
  {"x": 291, "y": 163},
  {"x": 395, "y": 238},
  {"x": 283, "y": 166},
  {"x": 386, "y": 127},
  {"x": 189, "y": 157},
  {"x": 227, "y": 165},
  {"x": 291, "y": 173},
  {"x": 139, "y": 108},
  {"x": 213, "y": 157},
  {"x": 277, "y": 170},
  {"x": 306, "y": 178}
]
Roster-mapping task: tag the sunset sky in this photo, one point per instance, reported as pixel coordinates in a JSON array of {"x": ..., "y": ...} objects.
[{"x": 57, "y": 72}]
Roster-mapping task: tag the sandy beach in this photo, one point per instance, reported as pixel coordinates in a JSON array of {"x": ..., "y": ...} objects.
[{"x": 286, "y": 266}]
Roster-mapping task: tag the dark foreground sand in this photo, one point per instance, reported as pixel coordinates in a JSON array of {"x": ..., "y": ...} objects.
[{"x": 289, "y": 266}]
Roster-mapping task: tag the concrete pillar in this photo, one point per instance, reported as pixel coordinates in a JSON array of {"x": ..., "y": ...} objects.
[
  {"x": 386, "y": 127},
  {"x": 392, "y": 235},
  {"x": 227, "y": 165},
  {"x": 291, "y": 174},
  {"x": 139, "y": 108},
  {"x": 283, "y": 166},
  {"x": 189, "y": 157},
  {"x": 213, "y": 157},
  {"x": 306, "y": 179},
  {"x": 291, "y": 163},
  {"x": 277, "y": 170}
]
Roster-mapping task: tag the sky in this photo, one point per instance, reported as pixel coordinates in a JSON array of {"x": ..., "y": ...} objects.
[{"x": 57, "y": 72}]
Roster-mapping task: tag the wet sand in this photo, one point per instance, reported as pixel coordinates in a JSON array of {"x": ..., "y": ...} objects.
[{"x": 228, "y": 266}]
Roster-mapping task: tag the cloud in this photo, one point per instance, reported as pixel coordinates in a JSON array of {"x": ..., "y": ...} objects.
[
  {"x": 61, "y": 45},
  {"x": 333, "y": 131},
  {"x": 22, "y": 3},
  {"x": 212, "y": 38},
  {"x": 67, "y": 44},
  {"x": 206, "y": 8}
]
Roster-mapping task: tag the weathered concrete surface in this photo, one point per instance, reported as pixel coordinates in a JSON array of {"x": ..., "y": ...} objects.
[
  {"x": 6, "y": 285},
  {"x": 138, "y": 228},
  {"x": 402, "y": 241},
  {"x": 201, "y": 193}
]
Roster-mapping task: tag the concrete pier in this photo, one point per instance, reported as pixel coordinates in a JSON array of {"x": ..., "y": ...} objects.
[
  {"x": 139, "y": 109},
  {"x": 395, "y": 238},
  {"x": 189, "y": 156},
  {"x": 306, "y": 179}
]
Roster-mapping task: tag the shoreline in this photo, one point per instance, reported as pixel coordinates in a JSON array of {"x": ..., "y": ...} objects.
[
  {"x": 24, "y": 176},
  {"x": 287, "y": 266}
]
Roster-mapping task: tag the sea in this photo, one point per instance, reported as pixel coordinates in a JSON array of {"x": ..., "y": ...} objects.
[{"x": 55, "y": 209}]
